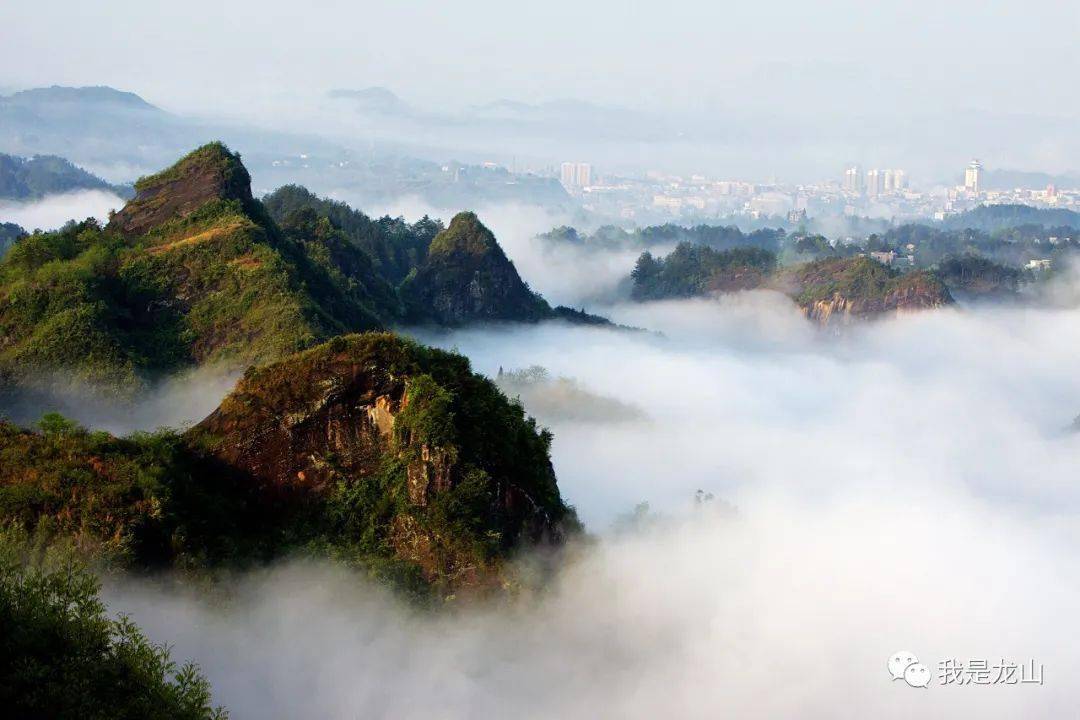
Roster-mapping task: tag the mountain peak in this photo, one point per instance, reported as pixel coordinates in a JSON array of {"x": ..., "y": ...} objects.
[
  {"x": 98, "y": 94},
  {"x": 374, "y": 99},
  {"x": 465, "y": 234},
  {"x": 211, "y": 172},
  {"x": 467, "y": 277}
]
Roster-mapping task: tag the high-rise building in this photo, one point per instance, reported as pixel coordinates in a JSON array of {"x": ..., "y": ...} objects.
[
  {"x": 973, "y": 177},
  {"x": 899, "y": 180},
  {"x": 575, "y": 175},
  {"x": 583, "y": 176},
  {"x": 853, "y": 180},
  {"x": 875, "y": 182},
  {"x": 568, "y": 174}
]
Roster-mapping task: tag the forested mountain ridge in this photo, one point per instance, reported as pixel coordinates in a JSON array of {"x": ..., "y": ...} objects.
[
  {"x": 194, "y": 270},
  {"x": 826, "y": 290},
  {"x": 369, "y": 449},
  {"x": 35, "y": 177},
  {"x": 191, "y": 271}
]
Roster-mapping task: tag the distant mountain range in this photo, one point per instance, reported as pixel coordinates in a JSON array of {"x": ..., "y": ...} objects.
[
  {"x": 1010, "y": 179},
  {"x": 119, "y": 136}
]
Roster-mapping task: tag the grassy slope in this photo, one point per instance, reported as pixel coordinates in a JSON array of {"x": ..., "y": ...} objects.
[{"x": 216, "y": 281}]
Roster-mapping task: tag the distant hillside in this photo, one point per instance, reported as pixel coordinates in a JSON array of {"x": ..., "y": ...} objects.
[
  {"x": 9, "y": 233},
  {"x": 691, "y": 270},
  {"x": 971, "y": 277},
  {"x": 34, "y": 178},
  {"x": 395, "y": 246},
  {"x": 78, "y": 97},
  {"x": 717, "y": 237},
  {"x": 447, "y": 276},
  {"x": 989, "y": 218},
  {"x": 838, "y": 290},
  {"x": 117, "y": 134},
  {"x": 828, "y": 290},
  {"x": 466, "y": 277},
  {"x": 1010, "y": 179}
]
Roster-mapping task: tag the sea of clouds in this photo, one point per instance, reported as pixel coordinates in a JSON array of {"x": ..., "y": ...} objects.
[{"x": 909, "y": 484}]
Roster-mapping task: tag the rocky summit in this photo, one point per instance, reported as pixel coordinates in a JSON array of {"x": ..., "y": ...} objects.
[
  {"x": 369, "y": 448},
  {"x": 833, "y": 291},
  {"x": 467, "y": 277}
]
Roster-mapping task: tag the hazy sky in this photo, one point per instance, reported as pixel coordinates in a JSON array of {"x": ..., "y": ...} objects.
[
  {"x": 885, "y": 79},
  {"x": 974, "y": 53}
]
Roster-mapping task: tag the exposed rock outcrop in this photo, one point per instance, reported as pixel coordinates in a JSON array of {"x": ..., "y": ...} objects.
[
  {"x": 381, "y": 411},
  {"x": 836, "y": 291},
  {"x": 370, "y": 449},
  {"x": 209, "y": 173}
]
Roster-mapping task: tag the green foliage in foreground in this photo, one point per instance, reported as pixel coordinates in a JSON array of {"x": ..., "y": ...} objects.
[{"x": 63, "y": 657}]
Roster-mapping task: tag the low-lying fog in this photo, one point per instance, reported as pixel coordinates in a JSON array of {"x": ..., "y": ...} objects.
[
  {"x": 53, "y": 211},
  {"x": 908, "y": 485}
]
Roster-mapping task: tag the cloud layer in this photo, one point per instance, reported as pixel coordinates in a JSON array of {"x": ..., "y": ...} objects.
[
  {"x": 53, "y": 211},
  {"x": 907, "y": 485}
]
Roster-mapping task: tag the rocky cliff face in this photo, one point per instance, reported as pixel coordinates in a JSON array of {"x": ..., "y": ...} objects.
[
  {"x": 467, "y": 277},
  {"x": 207, "y": 174},
  {"x": 377, "y": 412},
  {"x": 369, "y": 449},
  {"x": 837, "y": 291}
]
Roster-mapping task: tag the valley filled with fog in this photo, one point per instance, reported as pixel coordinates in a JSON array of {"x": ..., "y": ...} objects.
[
  {"x": 53, "y": 211},
  {"x": 903, "y": 484},
  {"x": 576, "y": 361}
]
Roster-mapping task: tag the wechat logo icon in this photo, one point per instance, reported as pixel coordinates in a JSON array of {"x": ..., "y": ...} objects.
[{"x": 905, "y": 666}]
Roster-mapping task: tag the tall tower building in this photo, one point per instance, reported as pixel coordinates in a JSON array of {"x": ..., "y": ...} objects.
[
  {"x": 853, "y": 181},
  {"x": 874, "y": 182},
  {"x": 568, "y": 174},
  {"x": 899, "y": 180},
  {"x": 583, "y": 176},
  {"x": 973, "y": 177}
]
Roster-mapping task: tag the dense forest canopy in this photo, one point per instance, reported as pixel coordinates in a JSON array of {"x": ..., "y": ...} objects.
[
  {"x": 395, "y": 246},
  {"x": 34, "y": 178}
]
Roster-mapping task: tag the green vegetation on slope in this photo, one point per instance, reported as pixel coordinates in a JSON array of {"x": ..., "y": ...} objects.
[
  {"x": 864, "y": 286},
  {"x": 467, "y": 277},
  {"x": 692, "y": 270},
  {"x": 208, "y": 279},
  {"x": 395, "y": 246},
  {"x": 33, "y": 178},
  {"x": 370, "y": 448},
  {"x": 977, "y": 277},
  {"x": 63, "y": 657}
]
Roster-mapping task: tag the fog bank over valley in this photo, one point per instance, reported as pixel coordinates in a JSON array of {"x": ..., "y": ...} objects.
[
  {"x": 53, "y": 211},
  {"x": 905, "y": 484}
]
